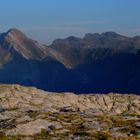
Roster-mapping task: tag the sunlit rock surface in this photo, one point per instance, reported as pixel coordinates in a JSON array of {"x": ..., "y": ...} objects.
[{"x": 32, "y": 114}]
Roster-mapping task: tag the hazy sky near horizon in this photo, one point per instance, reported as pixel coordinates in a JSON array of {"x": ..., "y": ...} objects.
[{"x": 46, "y": 20}]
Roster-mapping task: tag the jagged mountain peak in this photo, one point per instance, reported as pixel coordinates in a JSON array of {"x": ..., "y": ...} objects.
[
  {"x": 14, "y": 30},
  {"x": 18, "y": 42},
  {"x": 15, "y": 35},
  {"x": 91, "y": 35},
  {"x": 114, "y": 35},
  {"x": 110, "y": 33}
]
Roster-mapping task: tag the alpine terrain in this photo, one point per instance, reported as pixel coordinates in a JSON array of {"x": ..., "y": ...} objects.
[{"x": 96, "y": 63}]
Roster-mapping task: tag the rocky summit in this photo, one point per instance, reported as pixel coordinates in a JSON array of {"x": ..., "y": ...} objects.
[{"x": 27, "y": 113}]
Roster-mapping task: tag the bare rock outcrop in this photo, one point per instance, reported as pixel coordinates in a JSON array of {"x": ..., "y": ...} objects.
[
  {"x": 27, "y": 112},
  {"x": 15, "y": 96}
]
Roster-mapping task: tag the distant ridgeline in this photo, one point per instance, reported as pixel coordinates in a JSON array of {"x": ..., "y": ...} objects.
[{"x": 96, "y": 63}]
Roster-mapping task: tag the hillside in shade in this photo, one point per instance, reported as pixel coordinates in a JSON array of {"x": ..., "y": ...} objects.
[{"x": 96, "y": 63}]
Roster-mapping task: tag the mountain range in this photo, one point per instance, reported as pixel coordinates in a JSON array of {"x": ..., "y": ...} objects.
[{"x": 96, "y": 63}]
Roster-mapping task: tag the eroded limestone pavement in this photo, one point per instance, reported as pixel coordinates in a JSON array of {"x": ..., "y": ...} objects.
[{"x": 27, "y": 113}]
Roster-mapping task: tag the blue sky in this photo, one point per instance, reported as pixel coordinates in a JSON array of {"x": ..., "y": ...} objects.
[{"x": 46, "y": 20}]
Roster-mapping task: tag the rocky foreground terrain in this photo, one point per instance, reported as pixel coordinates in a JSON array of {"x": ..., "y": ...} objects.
[{"x": 32, "y": 114}]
